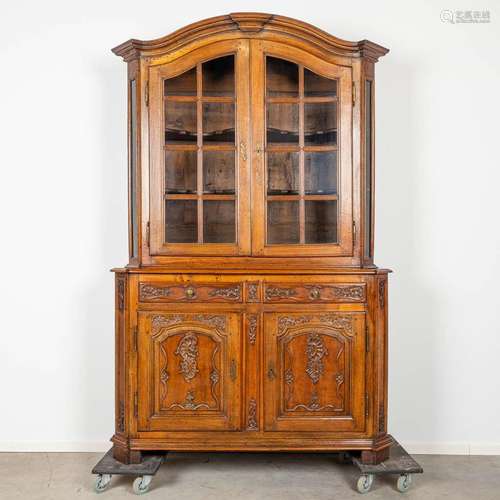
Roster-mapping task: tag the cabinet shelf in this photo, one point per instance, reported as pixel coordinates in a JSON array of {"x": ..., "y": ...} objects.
[
  {"x": 185, "y": 98},
  {"x": 204, "y": 196},
  {"x": 297, "y": 100},
  {"x": 308, "y": 197}
]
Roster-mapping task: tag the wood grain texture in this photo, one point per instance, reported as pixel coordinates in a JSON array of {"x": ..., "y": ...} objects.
[{"x": 242, "y": 344}]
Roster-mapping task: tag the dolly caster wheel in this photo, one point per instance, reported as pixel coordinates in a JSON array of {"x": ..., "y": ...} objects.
[
  {"x": 365, "y": 483},
  {"x": 141, "y": 484},
  {"x": 404, "y": 482},
  {"x": 102, "y": 482}
]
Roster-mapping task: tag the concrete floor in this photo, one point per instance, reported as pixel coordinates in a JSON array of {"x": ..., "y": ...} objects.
[{"x": 203, "y": 476}]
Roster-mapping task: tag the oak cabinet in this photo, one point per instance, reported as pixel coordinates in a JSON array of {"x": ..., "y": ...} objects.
[{"x": 251, "y": 315}]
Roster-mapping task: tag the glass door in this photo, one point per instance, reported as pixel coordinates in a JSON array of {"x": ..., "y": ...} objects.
[
  {"x": 199, "y": 137},
  {"x": 302, "y": 161}
]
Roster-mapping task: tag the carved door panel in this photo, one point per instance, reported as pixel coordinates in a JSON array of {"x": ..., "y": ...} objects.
[
  {"x": 315, "y": 371},
  {"x": 189, "y": 371}
]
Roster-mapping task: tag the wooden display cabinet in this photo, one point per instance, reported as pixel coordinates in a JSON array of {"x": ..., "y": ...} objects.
[{"x": 251, "y": 316}]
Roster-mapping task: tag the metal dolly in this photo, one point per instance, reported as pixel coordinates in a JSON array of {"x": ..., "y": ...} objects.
[
  {"x": 399, "y": 462},
  {"x": 107, "y": 467}
]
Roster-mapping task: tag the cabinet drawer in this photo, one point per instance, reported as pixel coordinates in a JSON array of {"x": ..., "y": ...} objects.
[
  {"x": 190, "y": 292},
  {"x": 319, "y": 292}
]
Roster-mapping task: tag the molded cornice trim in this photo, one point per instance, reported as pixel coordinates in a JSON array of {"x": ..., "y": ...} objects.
[{"x": 250, "y": 24}]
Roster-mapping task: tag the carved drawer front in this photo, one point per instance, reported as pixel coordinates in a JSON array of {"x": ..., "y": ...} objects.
[
  {"x": 189, "y": 371},
  {"x": 314, "y": 376},
  {"x": 190, "y": 292},
  {"x": 320, "y": 292}
]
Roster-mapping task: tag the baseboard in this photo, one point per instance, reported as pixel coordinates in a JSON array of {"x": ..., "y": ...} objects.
[
  {"x": 55, "y": 446},
  {"x": 414, "y": 447},
  {"x": 451, "y": 448}
]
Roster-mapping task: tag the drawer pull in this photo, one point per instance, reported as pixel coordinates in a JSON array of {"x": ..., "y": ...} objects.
[
  {"x": 314, "y": 294},
  {"x": 232, "y": 370},
  {"x": 190, "y": 292}
]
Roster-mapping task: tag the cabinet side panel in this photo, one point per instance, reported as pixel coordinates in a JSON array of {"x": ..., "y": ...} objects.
[
  {"x": 382, "y": 355},
  {"x": 134, "y": 187},
  {"x": 120, "y": 359}
]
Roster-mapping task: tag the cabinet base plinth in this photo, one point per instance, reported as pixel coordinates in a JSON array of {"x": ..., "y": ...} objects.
[
  {"x": 122, "y": 452},
  {"x": 380, "y": 453}
]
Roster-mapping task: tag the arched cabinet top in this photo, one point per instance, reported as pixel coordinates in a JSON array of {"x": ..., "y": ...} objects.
[{"x": 250, "y": 25}]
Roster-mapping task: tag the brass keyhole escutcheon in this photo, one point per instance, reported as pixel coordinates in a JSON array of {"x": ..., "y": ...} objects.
[
  {"x": 190, "y": 293},
  {"x": 271, "y": 375},
  {"x": 315, "y": 294}
]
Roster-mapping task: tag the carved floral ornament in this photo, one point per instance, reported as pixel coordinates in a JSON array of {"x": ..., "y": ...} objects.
[
  {"x": 252, "y": 292},
  {"x": 187, "y": 350},
  {"x": 160, "y": 321},
  {"x": 336, "y": 321},
  {"x": 252, "y": 424},
  {"x": 230, "y": 292},
  {"x": 148, "y": 292},
  {"x": 315, "y": 351},
  {"x": 252, "y": 328}
]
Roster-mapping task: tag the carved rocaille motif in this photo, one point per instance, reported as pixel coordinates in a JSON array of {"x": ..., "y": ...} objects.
[
  {"x": 349, "y": 292},
  {"x": 275, "y": 292},
  {"x": 252, "y": 416},
  {"x": 187, "y": 349},
  {"x": 189, "y": 403},
  {"x": 252, "y": 328},
  {"x": 252, "y": 292},
  {"x": 339, "y": 292},
  {"x": 160, "y": 321},
  {"x": 336, "y": 321},
  {"x": 381, "y": 293},
  {"x": 315, "y": 351},
  {"x": 381, "y": 418},
  {"x": 230, "y": 292},
  {"x": 164, "y": 375},
  {"x": 121, "y": 418},
  {"x": 120, "y": 286},
  {"x": 148, "y": 292}
]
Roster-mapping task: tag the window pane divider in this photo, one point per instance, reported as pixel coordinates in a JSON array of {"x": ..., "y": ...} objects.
[
  {"x": 302, "y": 211},
  {"x": 199, "y": 142}
]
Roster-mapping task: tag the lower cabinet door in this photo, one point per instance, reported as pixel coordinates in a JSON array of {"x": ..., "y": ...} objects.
[
  {"x": 315, "y": 371},
  {"x": 189, "y": 371}
]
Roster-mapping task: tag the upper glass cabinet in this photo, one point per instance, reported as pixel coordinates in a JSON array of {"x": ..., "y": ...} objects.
[
  {"x": 261, "y": 142},
  {"x": 301, "y": 159},
  {"x": 197, "y": 171},
  {"x": 200, "y": 192},
  {"x": 305, "y": 202}
]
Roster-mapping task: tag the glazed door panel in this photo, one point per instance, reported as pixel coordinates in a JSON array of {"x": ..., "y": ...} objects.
[
  {"x": 199, "y": 136},
  {"x": 189, "y": 371},
  {"x": 315, "y": 371},
  {"x": 302, "y": 159}
]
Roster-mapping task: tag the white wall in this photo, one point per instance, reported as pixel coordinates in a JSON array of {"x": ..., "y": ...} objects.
[{"x": 63, "y": 205}]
